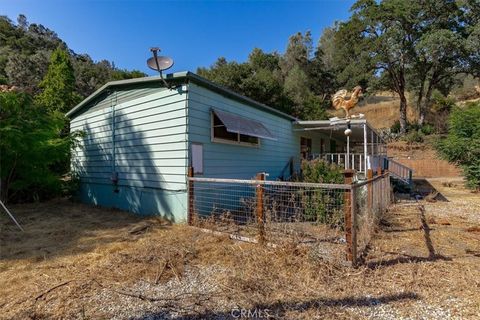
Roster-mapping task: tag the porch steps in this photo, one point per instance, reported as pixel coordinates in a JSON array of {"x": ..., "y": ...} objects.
[{"x": 399, "y": 171}]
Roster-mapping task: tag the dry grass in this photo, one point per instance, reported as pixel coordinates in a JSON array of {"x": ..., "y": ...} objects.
[{"x": 104, "y": 271}]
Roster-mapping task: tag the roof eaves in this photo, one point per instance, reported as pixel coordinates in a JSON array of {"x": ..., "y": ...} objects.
[
  {"x": 220, "y": 89},
  {"x": 178, "y": 76},
  {"x": 116, "y": 83}
]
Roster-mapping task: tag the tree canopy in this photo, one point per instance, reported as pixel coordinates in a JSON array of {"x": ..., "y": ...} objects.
[
  {"x": 295, "y": 82},
  {"x": 405, "y": 45},
  {"x": 25, "y": 51},
  {"x": 44, "y": 80},
  {"x": 31, "y": 149},
  {"x": 462, "y": 144},
  {"x": 58, "y": 86}
]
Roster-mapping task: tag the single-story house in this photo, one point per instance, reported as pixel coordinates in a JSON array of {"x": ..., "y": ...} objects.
[{"x": 140, "y": 138}]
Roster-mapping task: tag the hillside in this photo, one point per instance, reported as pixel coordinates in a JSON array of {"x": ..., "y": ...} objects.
[{"x": 381, "y": 111}]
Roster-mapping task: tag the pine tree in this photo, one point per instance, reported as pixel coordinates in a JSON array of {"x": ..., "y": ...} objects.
[{"x": 58, "y": 86}]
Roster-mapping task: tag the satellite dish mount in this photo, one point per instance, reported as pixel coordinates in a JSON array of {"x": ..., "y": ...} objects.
[{"x": 160, "y": 63}]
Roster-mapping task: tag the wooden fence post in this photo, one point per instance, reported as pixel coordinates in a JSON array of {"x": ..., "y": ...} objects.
[
  {"x": 349, "y": 217},
  {"x": 369, "y": 190},
  {"x": 380, "y": 189},
  {"x": 191, "y": 198},
  {"x": 260, "y": 217}
]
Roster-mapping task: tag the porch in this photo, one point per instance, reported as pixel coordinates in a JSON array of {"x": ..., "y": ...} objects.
[{"x": 365, "y": 150}]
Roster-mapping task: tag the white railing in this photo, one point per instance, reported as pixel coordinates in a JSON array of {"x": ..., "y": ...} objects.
[{"x": 357, "y": 160}]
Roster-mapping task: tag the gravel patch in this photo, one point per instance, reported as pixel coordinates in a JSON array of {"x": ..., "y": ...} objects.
[{"x": 189, "y": 294}]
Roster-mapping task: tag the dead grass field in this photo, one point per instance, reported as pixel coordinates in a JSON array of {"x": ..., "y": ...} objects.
[{"x": 79, "y": 262}]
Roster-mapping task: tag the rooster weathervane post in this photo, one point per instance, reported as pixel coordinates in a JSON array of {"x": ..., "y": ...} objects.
[{"x": 340, "y": 101}]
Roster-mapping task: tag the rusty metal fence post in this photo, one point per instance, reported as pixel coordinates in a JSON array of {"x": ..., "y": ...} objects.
[
  {"x": 259, "y": 208},
  {"x": 350, "y": 234},
  {"x": 191, "y": 198}
]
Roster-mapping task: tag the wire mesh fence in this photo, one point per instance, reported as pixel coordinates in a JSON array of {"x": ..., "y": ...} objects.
[
  {"x": 371, "y": 199},
  {"x": 276, "y": 211}
]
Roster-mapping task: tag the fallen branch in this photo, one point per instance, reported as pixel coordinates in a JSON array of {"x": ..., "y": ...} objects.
[
  {"x": 160, "y": 274},
  {"x": 157, "y": 299},
  {"x": 53, "y": 288}
]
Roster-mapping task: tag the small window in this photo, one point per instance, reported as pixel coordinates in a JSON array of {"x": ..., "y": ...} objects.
[
  {"x": 220, "y": 130},
  {"x": 197, "y": 158},
  {"x": 221, "y": 134}
]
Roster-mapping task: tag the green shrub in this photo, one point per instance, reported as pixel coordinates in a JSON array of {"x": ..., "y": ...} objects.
[
  {"x": 31, "y": 149},
  {"x": 414, "y": 136},
  {"x": 439, "y": 111},
  {"x": 322, "y": 206},
  {"x": 462, "y": 143},
  {"x": 321, "y": 171},
  {"x": 442, "y": 103},
  {"x": 427, "y": 129},
  {"x": 395, "y": 128}
]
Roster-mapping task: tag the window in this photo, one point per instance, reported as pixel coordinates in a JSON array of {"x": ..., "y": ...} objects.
[
  {"x": 197, "y": 158},
  {"x": 305, "y": 147},
  {"x": 220, "y": 133}
]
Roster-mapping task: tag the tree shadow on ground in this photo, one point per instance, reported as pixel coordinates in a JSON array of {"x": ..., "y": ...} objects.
[
  {"x": 406, "y": 258},
  {"x": 280, "y": 309},
  {"x": 61, "y": 227}
]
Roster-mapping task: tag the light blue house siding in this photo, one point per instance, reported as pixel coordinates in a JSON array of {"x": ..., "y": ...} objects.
[
  {"x": 139, "y": 135},
  {"x": 224, "y": 160},
  {"x": 144, "y": 141}
]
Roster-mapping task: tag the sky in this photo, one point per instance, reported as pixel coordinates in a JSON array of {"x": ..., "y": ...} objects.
[{"x": 193, "y": 33}]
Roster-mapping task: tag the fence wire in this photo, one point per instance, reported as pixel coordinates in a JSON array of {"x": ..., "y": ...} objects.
[
  {"x": 276, "y": 211},
  {"x": 372, "y": 199}
]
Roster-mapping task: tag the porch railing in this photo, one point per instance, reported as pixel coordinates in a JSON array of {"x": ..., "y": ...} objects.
[
  {"x": 399, "y": 171},
  {"x": 357, "y": 160}
]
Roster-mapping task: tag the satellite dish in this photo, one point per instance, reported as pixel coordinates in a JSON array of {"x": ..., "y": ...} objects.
[{"x": 160, "y": 63}]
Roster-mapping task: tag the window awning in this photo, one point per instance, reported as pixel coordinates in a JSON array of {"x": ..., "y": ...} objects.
[{"x": 237, "y": 124}]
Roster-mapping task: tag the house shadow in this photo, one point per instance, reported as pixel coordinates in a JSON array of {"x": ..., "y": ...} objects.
[
  {"x": 424, "y": 188},
  {"x": 107, "y": 208},
  {"x": 279, "y": 310},
  {"x": 122, "y": 172}
]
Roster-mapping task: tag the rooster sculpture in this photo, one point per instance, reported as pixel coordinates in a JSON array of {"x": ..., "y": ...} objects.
[{"x": 340, "y": 101}]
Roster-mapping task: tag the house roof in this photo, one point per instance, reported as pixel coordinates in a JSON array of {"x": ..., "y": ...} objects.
[
  {"x": 337, "y": 129},
  {"x": 179, "y": 77}
]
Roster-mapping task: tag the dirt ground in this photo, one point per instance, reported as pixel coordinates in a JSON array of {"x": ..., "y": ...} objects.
[{"x": 79, "y": 262}]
